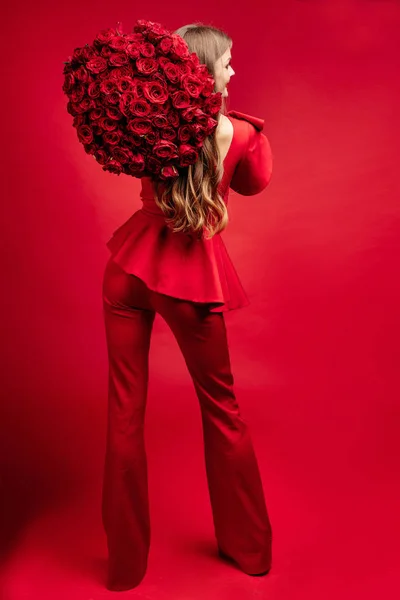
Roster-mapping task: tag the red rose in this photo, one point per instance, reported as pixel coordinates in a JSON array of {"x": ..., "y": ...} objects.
[
  {"x": 107, "y": 124},
  {"x": 86, "y": 104},
  {"x": 168, "y": 133},
  {"x": 127, "y": 98},
  {"x": 163, "y": 60},
  {"x": 113, "y": 113},
  {"x": 169, "y": 172},
  {"x": 171, "y": 87},
  {"x": 179, "y": 47},
  {"x": 184, "y": 133},
  {"x": 152, "y": 138},
  {"x": 211, "y": 125},
  {"x": 134, "y": 37},
  {"x": 156, "y": 32},
  {"x": 88, "y": 52},
  {"x": 125, "y": 102},
  {"x": 153, "y": 165},
  {"x": 165, "y": 149},
  {"x": 101, "y": 156},
  {"x": 208, "y": 87},
  {"x": 67, "y": 67},
  {"x": 147, "y": 49},
  {"x": 184, "y": 68},
  {"x": 105, "y": 36},
  {"x": 147, "y": 66},
  {"x": 78, "y": 57},
  {"x": 159, "y": 77},
  {"x": 155, "y": 92},
  {"x": 71, "y": 108},
  {"x": 113, "y": 166},
  {"x": 139, "y": 108},
  {"x": 112, "y": 137},
  {"x": 199, "y": 132},
  {"x": 165, "y": 44},
  {"x": 173, "y": 119},
  {"x": 156, "y": 109},
  {"x": 94, "y": 89},
  {"x": 85, "y": 134},
  {"x": 142, "y": 26},
  {"x": 202, "y": 73},
  {"x": 160, "y": 121},
  {"x": 116, "y": 73},
  {"x": 192, "y": 85},
  {"x": 140, "y": 126},
  {"x": 91, "y": 148},
  {"x": 136, "y": 163},
  {"x": 125, "y": 71},
  {"x": 171, "y": 72},
  {"x": 137, "y": 89},
  {"x": 107, "y": 86},
  {"x": 119, "y": 42},
  {"x": 187, "y": 155},
  {"x": 118, "y": 59},
  {"x": 77, "y": 109},
  {"x": 97, "y": 65},
  {"x": 133, "y": 140},
  {"x": 213, "y": 104},
  {"x": 81, "y": 74},
  {"x": 180, "y": 100},
  {"x": 202, "y": 119},
  {"x": 112, "y": 98},
  {"x": 106, "y": 51},
  {"x": 79, "y": 120},
  {"x": 122, "y": 155},
  {"x": 124, "y": 84},
  {"x": 77, "y": 93},
  {"x": 69, "y": 82},
  {"x": 96, "y": 113},
  {"x": 133, "y": 50},
  {"x": 137, "y": 160},
  {"x": 189, "y": 113}
]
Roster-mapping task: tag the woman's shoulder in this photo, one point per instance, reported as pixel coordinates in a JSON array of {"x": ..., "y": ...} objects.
[
  {"x": 225, "y": 127},
  {"x": 257, "y": 122},
  {"x": 224, "y": 135}
]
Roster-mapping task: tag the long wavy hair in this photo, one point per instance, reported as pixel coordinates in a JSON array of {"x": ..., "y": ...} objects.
[{"x": 192, "y": 203}]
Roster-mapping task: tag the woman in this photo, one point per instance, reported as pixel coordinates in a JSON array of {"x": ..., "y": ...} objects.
[{"x": 161, "y": 263}]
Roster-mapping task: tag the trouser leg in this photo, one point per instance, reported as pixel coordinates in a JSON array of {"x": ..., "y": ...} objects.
[
  {"x": 240, "y": 517},
  {"x": 125, "y": 508}
]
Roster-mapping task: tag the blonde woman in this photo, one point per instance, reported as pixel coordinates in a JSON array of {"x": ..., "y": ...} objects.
[{"x": 169, "y": 258}]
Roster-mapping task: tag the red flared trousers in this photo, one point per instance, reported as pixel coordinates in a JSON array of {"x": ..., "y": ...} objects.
[{"x": 241, "y": 523}]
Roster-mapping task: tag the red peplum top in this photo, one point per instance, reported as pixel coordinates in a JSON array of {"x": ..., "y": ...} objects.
[{"x": 182, "y": 266}]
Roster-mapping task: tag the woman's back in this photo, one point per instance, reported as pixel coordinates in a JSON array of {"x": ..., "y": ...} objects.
[
  {"x": 179, "y": 264},
  {"x": 224, "y": 136}
]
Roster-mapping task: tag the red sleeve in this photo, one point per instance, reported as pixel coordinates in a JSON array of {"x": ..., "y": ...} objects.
[{"x": 253, "y": 172}]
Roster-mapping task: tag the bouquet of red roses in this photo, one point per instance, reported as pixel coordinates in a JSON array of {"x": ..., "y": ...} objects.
[{"x": 142, "y": 103}]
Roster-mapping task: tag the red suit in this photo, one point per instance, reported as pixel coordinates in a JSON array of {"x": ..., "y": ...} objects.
[{"x": 190, "y": 283}]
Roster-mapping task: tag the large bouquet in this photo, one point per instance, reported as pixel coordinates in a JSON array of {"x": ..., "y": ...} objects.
[{"x": 142, "y": 103}]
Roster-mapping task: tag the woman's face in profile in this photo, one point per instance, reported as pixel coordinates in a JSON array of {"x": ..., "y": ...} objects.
[{"x": 223, "y": 72}]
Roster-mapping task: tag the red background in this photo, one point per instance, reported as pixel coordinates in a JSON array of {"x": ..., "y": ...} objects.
[{"x": 315, "y": 356}]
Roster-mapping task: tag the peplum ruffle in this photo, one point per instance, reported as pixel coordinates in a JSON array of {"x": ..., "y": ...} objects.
[{"x": 176, "y": 264}]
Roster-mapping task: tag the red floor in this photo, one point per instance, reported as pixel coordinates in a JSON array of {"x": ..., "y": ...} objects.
[{"x": 330, "y": 505}]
